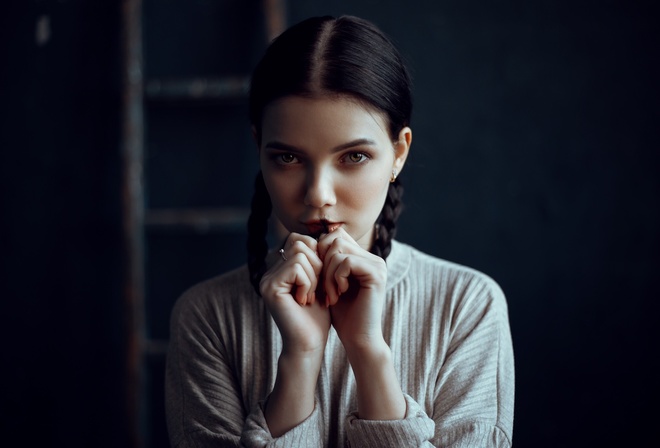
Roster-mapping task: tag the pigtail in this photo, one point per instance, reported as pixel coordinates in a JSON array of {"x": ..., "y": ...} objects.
[
  {"x": 386, "y": 222},
  {"x": 257, "y": 245}
]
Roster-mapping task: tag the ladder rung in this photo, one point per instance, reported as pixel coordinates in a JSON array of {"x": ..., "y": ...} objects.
[
  {"x": 200, "y": 219},
  {"x": 234, "y": 87}
]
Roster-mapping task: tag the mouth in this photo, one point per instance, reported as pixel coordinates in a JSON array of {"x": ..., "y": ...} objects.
[{"x": 317, "y": 228}]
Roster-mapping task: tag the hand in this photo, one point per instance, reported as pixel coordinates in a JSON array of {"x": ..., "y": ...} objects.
[
  {"x": 289, "y": 291},
  {"x": 355, "y": 283}
]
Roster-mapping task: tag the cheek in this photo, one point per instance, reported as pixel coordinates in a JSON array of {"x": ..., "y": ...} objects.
[{"x": 367, "y": 192}]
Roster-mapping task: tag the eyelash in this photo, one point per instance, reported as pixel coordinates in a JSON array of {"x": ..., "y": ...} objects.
[{"x": 364, "y": 157}]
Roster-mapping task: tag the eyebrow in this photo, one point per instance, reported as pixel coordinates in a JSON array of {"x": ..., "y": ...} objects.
[{"x": 277, "y": 145}]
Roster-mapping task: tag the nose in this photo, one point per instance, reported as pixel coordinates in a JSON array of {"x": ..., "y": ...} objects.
[{"x": 320, "y": 189}]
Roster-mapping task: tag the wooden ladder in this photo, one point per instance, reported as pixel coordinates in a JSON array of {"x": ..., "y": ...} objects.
[{"x": 145, "y": 347}]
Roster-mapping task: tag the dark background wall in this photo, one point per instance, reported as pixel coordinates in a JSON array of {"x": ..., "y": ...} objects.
[
  {"x": 535, "y": 159},
  {"x": 60, "y": 297}
]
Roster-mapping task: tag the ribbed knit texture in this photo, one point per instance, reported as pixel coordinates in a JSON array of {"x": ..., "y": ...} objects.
[{"x": 446, "y": 324}]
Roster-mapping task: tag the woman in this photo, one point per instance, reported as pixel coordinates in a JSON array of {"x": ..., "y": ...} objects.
[{"x": 343, "y": 336}]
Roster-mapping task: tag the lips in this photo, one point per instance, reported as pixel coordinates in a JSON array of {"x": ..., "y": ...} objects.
[{"x": 316, "y": 228}]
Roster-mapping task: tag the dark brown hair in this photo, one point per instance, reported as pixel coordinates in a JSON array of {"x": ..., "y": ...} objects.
[{"x": 320, "y": 56}]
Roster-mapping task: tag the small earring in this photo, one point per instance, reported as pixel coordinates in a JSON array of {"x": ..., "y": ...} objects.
[{"x": 393, "y": 178}]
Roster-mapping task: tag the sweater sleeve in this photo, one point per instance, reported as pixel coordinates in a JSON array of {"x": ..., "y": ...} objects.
[
  {"x": 472, "y": 404},
  {"x": 474, "y": 396},
  {"x": 307, "y": 433},
  {"x": 204, "y": 404},
  {"x": 414, "y": 430}
]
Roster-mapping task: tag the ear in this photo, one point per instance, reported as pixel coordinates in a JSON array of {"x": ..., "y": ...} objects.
[{"x": 401, "y": 148}]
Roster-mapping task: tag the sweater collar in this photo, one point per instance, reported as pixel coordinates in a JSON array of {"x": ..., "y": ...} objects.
[{"x": 398, "y": 263}]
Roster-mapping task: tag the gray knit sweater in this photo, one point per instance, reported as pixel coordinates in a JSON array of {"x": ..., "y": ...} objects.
[{"x": 447, "y": 327}]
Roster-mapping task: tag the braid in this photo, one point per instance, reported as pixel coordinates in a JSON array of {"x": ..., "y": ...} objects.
[
  {"x": 257, "y": 245},
  {"x": 386, "y": 222}
]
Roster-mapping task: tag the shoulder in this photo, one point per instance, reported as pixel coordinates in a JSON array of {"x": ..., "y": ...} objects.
[
  {"x": 223, "y": 295},
  {"x": 462, "y": 285}
]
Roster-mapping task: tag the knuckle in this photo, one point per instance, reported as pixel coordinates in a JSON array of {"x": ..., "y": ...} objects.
[
  {"x": 297, "y": 267},
  {"x": 337, "y": 242},
  {"x": 346, "y": 265},
  {"x": 317, "y": 265},
  {"x": 301, "y": 274},
  {"x": 309, "y": 241}
]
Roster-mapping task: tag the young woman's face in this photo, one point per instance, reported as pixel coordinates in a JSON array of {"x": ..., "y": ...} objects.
[{"x": 328, "y": 162}]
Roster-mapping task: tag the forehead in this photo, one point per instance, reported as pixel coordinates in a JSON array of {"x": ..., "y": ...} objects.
[{"x": 329, "y": 118}]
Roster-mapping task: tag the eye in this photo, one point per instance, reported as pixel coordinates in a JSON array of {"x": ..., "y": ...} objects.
[
  {"x": 286, "y": 159},
  {"x": 357, "y": 157}
]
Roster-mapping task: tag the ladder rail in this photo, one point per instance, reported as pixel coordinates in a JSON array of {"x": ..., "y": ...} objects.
[
  {"x": 135, "y": 218},
  {"x": 132, "y": 155}
]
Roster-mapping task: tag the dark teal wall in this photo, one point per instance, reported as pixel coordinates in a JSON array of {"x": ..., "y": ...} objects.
[
  {"x": 535, "y": 159},
  {"x": 60, "y": 295}
]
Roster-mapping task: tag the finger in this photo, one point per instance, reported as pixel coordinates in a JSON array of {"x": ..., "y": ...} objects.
[
  {"x": 301, "y": 283},
  {"x": 305, "y": 245},
  {"x": 294, "y": 238},
  {"x": 295, "y": 277},
  {"x": 343, "y": 262},
  {"x": 328, "y": 239},
  {"x": 332, "y": 288},
  {"x": 306, "y": 286},
  {"x": 342, "y": 273},
  {"x": 302, "y": 244},
  {"x": 299, "y": 246},
  {"x": 335, "y": 253}
]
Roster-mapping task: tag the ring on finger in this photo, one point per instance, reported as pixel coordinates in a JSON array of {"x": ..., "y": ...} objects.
[{"x": 282, "y": 254}]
